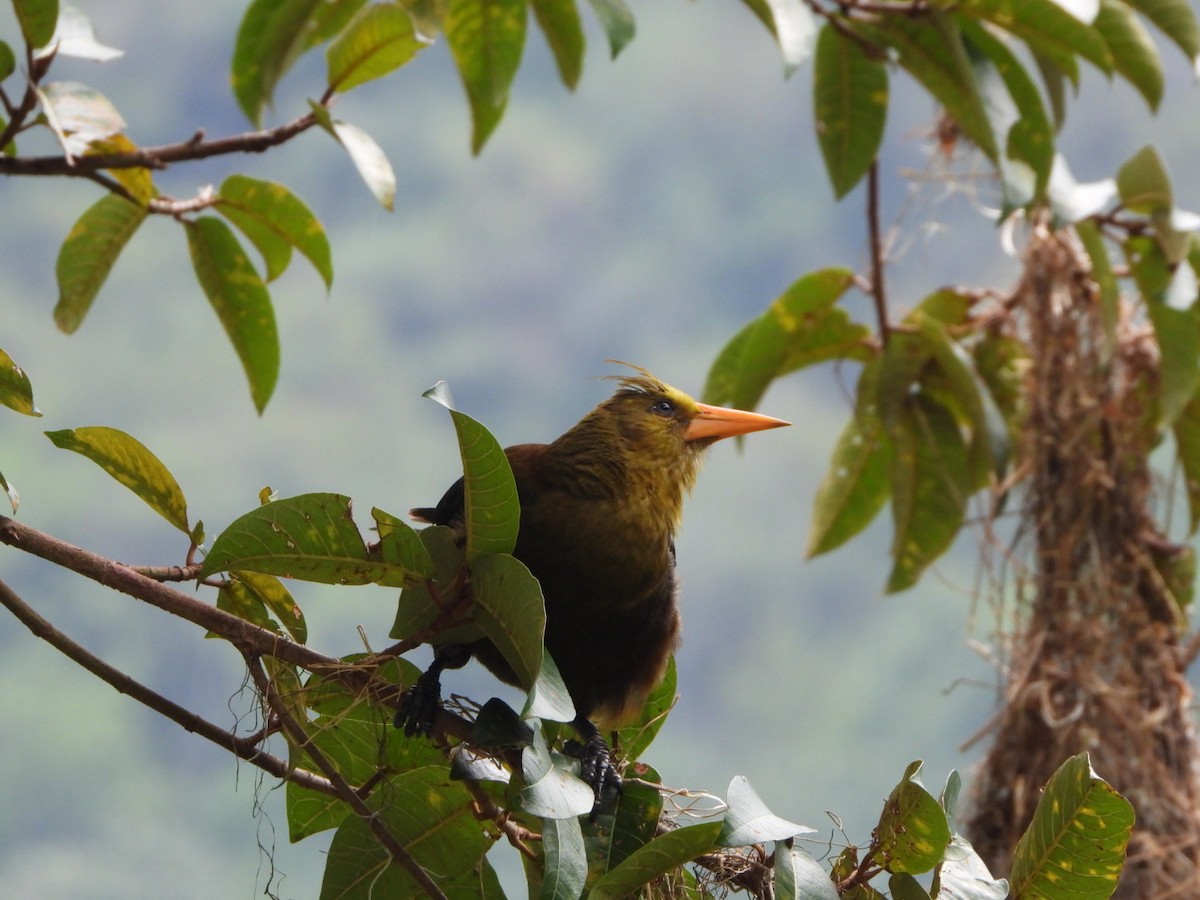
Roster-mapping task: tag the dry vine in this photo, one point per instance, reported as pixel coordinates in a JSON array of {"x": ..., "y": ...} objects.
[{"x": 1095, "y": 664}]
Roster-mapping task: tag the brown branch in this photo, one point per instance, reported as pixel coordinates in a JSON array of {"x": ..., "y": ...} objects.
[
  {"x": 169, "y": 573},
  {"x": 246, "y": 748},
  {"x": 244, "y": 635},
  {"x": 485, "y": 808},
  {"x": 345, "y": 791},
  {"x": 159, "y": 157},
  {"x": 878, "y": 286}
]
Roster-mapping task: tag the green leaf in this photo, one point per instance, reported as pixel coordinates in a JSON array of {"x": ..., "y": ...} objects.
[
  {"x": 510, "y": 610},
  {"x": 430, "y": 816},
  {"x": 798, "y": 329},
  {"x": 989, "y": 430},
  {"x": 850, "y": 101},
  {"x": 8, "y": 61},
  {"x": 552, "y": 790},
  {"x": 1135, "y": 57},
  {"x": 486, "y": 38},
  {"x": 272, "y": 35},
  {"x": 1102, "y": 273},
  {"x": 240, "y": 300},
  {"x": 1046, "y": 27},
  {"x": 356, "y": 735},
  {"x": 930, "y": 484},
  {"x": 379, "y": 39},
  {"x": 1075, "y": 845},
  {"x": 903, "y": 886},
  {"x": 1177, "y": 330},
  {"x": 275, "y": 220},
  {"x": 565, "y": 860},
  {"x": 136, "y": 180},
  {"x": 562, "y": 27},
  {"x": 1027, "y": 131},
  {"x": 400, "y": 546},
  {"x": 15, "y": 390},
  {"x": 1143, "y": 183},
  {"x": 1187, "y": 449},
  {"x": 748, "y": 821},
  {"x": 418, "y": 607},
  {"x": 490, "y": 501},
  {"x": 75, "y": 37},
  {"x": 328, "y": 20},
  {"x": 617, "y": 21},
  {"x": 656, "y": 858},
  {"x": 37, "y": 19},
  {"x": 268, "y": 593},
  {"x": 636, "y": 736},
  {"x": 964, "y": 875},
  {"x": 78, "y": 115},
  {"x": 369, "y": 159},
  {"x": 88, "y": 254},
  {"x": 613, "y": 834},
  {"x": 800, "y": 877},
  {"x": 549, "y": 697},
  {"x": 1176, "y": 19},
  {"x": 311, "y": 537},
  {"x": 930, "y": 49},
  {"x": 499, "y": 725},
  {"x": 128, "y": 461},
  {"x": 913, "y": 832},
  {"x": 856, "y": 485}
]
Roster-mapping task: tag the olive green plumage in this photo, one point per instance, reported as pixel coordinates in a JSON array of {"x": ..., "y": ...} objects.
[{"x": 599, "y": 510}]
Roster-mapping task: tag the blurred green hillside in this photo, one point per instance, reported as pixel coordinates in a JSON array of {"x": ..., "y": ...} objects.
[{"x": 643, "y": 218}]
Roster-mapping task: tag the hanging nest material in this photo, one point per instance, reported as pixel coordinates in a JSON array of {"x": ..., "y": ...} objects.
[{"x": 1095, "y": 663}]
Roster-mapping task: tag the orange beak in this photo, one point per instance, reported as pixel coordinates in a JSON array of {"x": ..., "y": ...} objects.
[{"x": 715, "y": 422}]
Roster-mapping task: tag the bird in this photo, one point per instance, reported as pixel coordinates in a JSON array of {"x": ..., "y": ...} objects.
[{"x": 599, "y": 510}]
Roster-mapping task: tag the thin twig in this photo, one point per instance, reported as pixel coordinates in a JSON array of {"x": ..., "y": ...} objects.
[
  {"x": 242, "y": 634},
  {"x": 154, "y": 157},
  {"x": 346, "y": 791},
  {"x": 246, "y": 748},
  {"x": 878, "y": 287}
]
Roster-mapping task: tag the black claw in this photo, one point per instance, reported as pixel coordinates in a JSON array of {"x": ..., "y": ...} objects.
[
  {"x": 595, "y": 764},
  {"x": 420, "y": 706}
]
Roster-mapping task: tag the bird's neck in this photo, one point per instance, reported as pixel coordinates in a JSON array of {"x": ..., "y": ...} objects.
[{"x": 647, "y": 483}]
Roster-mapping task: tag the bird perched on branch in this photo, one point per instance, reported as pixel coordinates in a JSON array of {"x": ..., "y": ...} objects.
[{"x": 599, "y": 511}]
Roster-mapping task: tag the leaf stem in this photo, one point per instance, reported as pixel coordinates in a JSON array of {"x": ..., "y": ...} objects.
[{"x": 878, "y": 284}]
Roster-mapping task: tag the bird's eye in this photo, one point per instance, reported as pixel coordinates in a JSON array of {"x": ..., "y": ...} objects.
[{"x": 663, "y": 408}]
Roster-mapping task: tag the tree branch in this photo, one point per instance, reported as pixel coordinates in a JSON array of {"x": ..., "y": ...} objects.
[
  {"x": 345, "y": 791},
  {"x": 878, "y": 286},
  {"x": 242, "y": 747},
  {"x": 196, "y": 147},
  {"x": 244, "y": 635}
]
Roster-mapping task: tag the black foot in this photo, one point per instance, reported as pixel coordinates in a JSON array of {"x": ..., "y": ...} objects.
[
  {"x": 596, "y": 764},
  {"x": 419, "y": 707}
]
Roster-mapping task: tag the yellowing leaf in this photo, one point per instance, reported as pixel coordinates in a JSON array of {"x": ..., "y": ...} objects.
[
  {"x": 378, "y": 40},
  {"x": 128, "y": 461},
  {"x": 15, "y": 390},
  {"x": 486, "y": 38},
  {"x": 88, "y": 254},
  {"x": 275, "y": 220}
]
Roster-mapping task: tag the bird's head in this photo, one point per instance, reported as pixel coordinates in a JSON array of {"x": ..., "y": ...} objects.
[
  {"x": 659, "y": 433},
  {"x": 662, "y": 421}
]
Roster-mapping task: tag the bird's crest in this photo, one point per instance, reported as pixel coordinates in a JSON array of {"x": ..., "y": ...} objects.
[{"x": 643, "y": 382}]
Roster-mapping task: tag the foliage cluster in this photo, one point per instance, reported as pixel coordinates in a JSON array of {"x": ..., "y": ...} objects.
[{"x": 937, "y": 421}]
